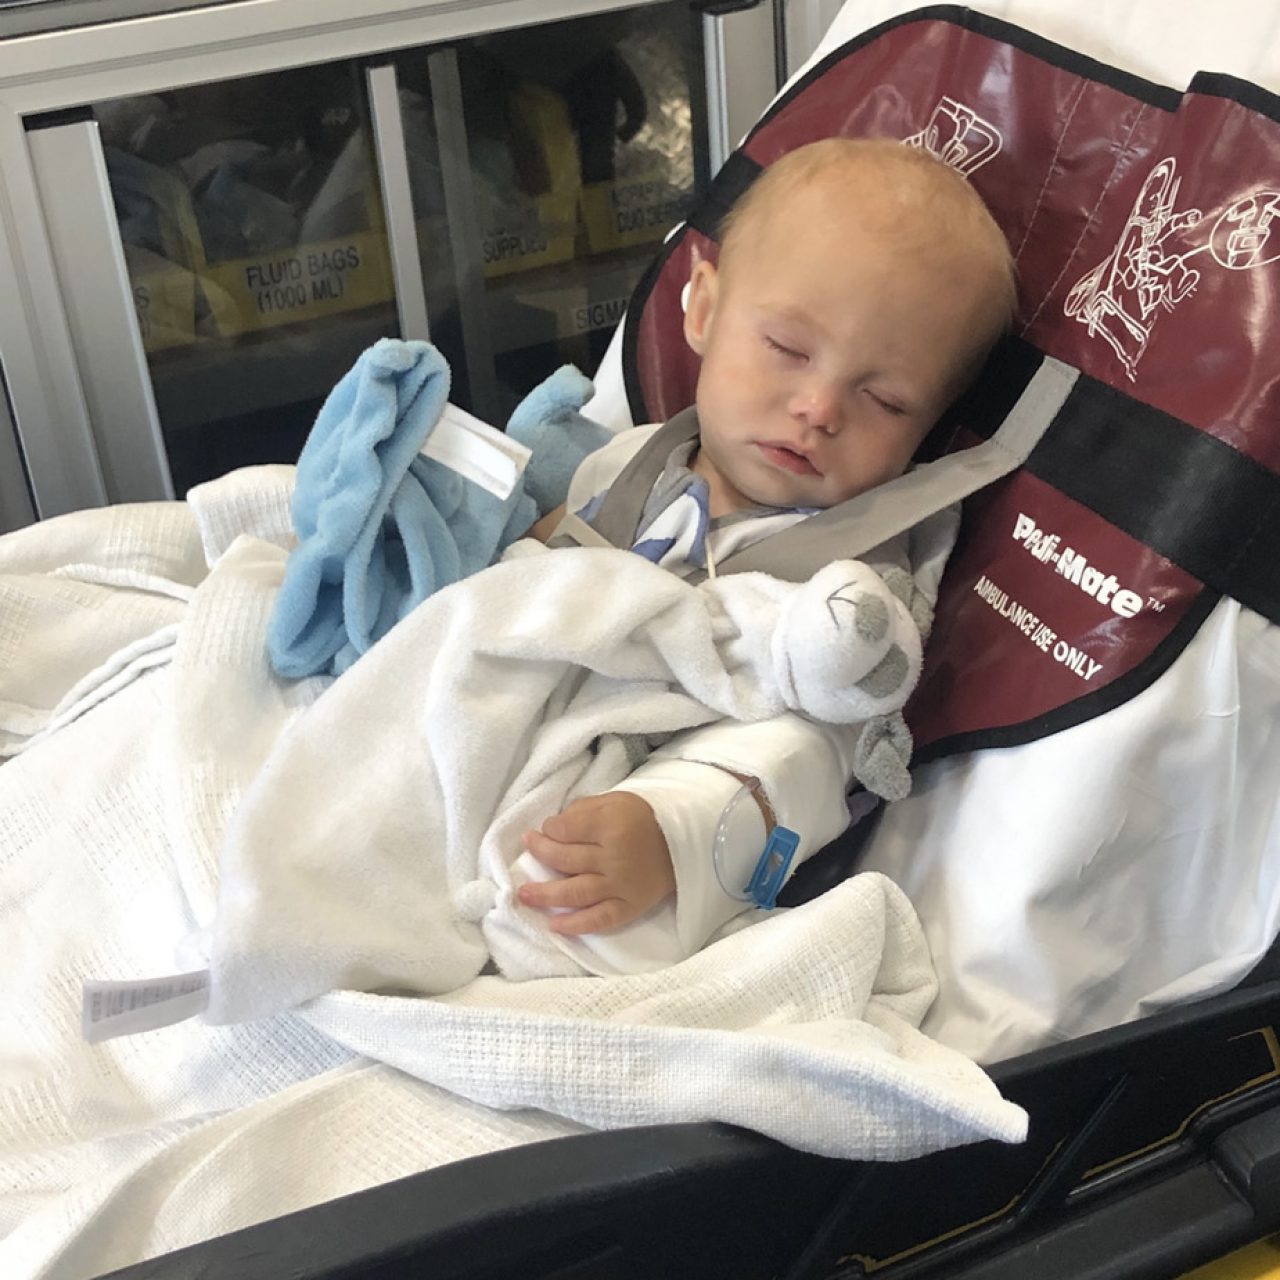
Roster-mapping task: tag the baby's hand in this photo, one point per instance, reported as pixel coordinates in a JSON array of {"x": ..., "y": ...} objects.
[{"x": 614, "y": 858}]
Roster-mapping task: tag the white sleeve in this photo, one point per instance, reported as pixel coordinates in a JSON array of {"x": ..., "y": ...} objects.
[{"x": 803, "y": 768}]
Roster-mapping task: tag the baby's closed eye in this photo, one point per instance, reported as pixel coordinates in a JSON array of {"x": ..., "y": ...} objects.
[
  {"x": 889, "y": 406},
  {"x": 792, "y": 353}
]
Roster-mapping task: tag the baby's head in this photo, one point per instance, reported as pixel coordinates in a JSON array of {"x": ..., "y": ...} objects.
[{"x": 859, "y": 287}]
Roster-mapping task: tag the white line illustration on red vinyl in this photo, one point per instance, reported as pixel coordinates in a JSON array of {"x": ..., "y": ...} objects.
[
  {"x": 958, "y": 136},
  {"x": 1122, "y": 297},
  {"x": 1242, "y": 236}
]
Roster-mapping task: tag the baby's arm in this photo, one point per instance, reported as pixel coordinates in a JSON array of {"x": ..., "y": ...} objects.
[
  {"x": 804, "y": 769},
  {"x": 686, "y": 786},
  {"x": 543, "y": 529},
  {"x": 613, "y": 856}
]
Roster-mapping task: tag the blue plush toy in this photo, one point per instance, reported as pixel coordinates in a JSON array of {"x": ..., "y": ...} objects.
[
  {"x": 380, "y": 527},
  {"x": 548, "y": 422}
]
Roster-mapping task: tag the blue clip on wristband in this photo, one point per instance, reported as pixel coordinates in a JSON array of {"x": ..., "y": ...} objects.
[
  {"x": 772, "y": 868},
  {"x": 773, "y": 864}
]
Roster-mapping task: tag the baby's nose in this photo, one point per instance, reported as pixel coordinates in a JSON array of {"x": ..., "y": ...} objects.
[{"x": 818, "y": 404}]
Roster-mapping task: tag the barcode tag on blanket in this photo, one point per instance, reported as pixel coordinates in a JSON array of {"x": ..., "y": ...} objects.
[
  {"x": 476, "y": 451},
  {"x": 124, "y": 1008}
]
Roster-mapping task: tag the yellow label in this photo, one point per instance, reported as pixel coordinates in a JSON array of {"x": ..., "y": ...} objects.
[
  {"x": 537, "y": 242},
  {"x": 1259, "y": 1261},
  {"x": 164, "y": 298},
  {"x": 537, "y": 232},
  {"x": 630, "y": 211},
  {"x": 165, "y": 304},
  {"x": 292, "y": 286}
]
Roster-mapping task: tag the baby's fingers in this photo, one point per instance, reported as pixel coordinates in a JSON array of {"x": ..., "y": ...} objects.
[
  {"x": 578, "y": 824},
  {"x": 569, "y": 893},
  {"x": 612, "y": 913},
  {"x": 571, "y": 859}
]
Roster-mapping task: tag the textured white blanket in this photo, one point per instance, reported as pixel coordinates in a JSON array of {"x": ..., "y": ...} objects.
[
  {"x": 80, "y": 601},
  {"x": 111, "y": 829},
  {"x": 373, "y": 849}
]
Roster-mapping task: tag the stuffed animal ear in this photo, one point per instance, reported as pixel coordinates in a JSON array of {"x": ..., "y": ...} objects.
[
  {"x": 833, "y": 650},
  {"x": 882, "y": 756},
  {"x": 548, "y": 422}
]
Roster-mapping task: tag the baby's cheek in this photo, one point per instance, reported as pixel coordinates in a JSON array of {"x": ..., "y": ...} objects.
[{"x": 891, "y": 460}]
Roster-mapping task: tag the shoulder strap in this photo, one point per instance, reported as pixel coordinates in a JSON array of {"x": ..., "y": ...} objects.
[
  {"x": 851, "y": 529},
  {"x": 619, "y": 514}
]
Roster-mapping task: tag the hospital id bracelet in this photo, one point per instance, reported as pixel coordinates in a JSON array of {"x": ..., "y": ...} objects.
[
  {"x": 771, "y": 870},
  {"x": 774, "y": 862}
]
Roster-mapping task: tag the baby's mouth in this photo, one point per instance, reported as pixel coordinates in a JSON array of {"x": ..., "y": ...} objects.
[{"x": 788, "y": 459}]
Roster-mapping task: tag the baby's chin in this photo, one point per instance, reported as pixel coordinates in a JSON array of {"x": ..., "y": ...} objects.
[
  {"x": 809, "y": 494},
  {"x": 784, "y": 497}
]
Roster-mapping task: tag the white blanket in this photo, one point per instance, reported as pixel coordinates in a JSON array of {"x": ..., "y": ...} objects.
[
  {"x": 81, "y": 602},
  {"x": 375, "y": 848},
  {"x": 111, "y": 828}
]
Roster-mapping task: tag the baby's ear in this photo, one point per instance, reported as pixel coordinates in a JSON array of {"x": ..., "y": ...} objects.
[{"x": 700, "y": 305}]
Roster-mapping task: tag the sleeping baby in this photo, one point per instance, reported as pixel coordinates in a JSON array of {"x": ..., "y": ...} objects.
[
  {"x": 674, "y": 707},
  {"x": 860, "y": 285}
]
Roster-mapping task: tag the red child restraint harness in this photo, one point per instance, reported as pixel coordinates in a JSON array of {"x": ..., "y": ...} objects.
[{"x": 1146, "y": 264}]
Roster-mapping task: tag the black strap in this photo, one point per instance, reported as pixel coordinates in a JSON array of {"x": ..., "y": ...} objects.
[
  {"x": 1187, "y": 495},
  {"x": 737, "y": 173}
]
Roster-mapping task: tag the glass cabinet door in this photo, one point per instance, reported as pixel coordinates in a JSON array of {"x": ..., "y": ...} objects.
[
  {"x": 532, "y": 174},
  {"x": 547, "y": 163},
  {"x": 256, "y": 248}
]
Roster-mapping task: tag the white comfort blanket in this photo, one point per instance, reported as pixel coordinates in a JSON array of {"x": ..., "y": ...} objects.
[
  {"x": 111, "y": 829},
  {"x": 374, "y": 848}
]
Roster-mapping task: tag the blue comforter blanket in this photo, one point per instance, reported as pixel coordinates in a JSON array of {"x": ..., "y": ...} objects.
[{"x": 381, "y": 527}]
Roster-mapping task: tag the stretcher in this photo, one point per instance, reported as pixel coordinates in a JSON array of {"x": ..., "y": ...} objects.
[{"x": 1129, "y": 555}]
